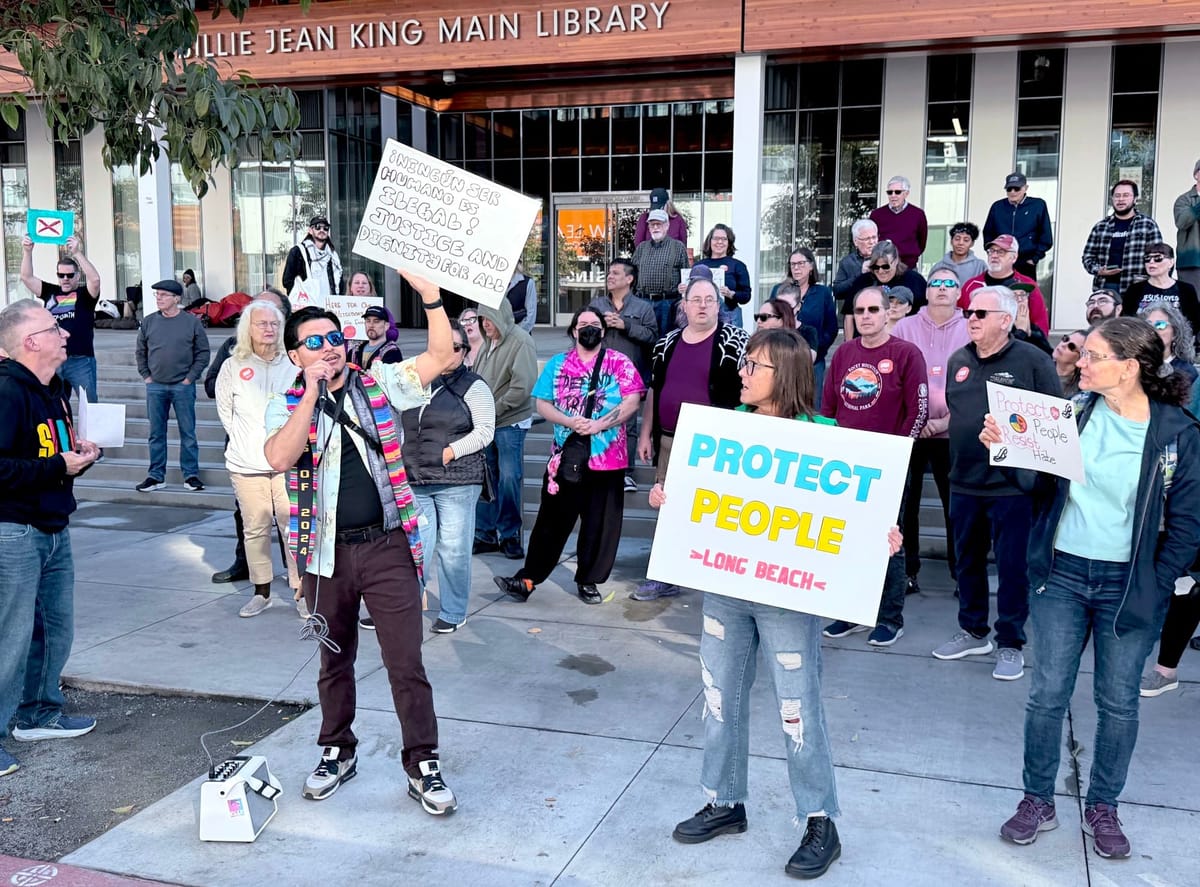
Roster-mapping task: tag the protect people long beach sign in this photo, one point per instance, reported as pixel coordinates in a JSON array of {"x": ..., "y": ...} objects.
[{"x": 790, "y": 514}]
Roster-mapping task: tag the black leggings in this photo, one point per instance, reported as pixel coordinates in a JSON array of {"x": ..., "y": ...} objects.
[{"x": 1183, "y": 616}]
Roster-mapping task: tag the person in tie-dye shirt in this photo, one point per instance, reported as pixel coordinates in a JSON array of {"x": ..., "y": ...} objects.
[{"x": 596, "y": 500}]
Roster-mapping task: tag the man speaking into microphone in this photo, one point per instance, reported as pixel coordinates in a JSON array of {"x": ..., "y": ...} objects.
[{"x": 354, "y": 531}]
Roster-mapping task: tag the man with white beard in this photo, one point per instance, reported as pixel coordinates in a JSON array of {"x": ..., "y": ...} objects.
[{"x": 659, "y": 261}]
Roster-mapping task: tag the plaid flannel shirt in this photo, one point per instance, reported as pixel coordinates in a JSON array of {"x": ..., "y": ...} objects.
[{"x": 1143, "y": 232}]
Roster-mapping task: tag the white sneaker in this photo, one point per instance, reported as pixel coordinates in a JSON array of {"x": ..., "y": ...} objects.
[
  {"x": 429, "y": 788},
  {"x": 256, "y": 605},
  {"x": 1010, "y": 665},
  {"x": 302, "y": 609}
]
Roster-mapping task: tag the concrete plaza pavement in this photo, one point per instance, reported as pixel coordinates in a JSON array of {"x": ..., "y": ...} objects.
[{"x": 572, "y": 737}]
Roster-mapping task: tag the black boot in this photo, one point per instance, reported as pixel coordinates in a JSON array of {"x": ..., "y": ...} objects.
[
  {"x": 238, "y": 572},
  {"x": 817, "y": 852},
  {"x": 710, "y": 822}
]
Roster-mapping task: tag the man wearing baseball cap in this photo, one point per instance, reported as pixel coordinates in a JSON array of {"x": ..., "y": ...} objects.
[
  {"x": 1026, "y": 219},
  {"x": 377, "y": 322},
  {"x": 1002, "y": 254},
  {"x": 677, "y": 227},
  {"x": 313, "y": 270},
  {"x": 659, "y": 261}
]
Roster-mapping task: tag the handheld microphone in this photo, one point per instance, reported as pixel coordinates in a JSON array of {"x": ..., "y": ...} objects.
[{"x": 322, "y": 389}]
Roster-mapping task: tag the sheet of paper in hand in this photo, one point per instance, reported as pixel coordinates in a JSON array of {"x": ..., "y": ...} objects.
[
  {"x": 452, "y": 227},
  {"x": 786, "y": 513},
  {"x": 1037, "y": 431}
]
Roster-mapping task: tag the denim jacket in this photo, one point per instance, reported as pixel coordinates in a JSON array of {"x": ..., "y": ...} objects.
[{"x": 1166, "y": 518}]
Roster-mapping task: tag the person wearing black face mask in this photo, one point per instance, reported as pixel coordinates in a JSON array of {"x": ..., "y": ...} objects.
[{"x": 588, "y": 393}]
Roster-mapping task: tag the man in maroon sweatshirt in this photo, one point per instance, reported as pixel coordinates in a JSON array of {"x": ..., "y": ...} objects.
[
  {"x": 901, "y": 222},
  {"x": 878, "y": 383}
]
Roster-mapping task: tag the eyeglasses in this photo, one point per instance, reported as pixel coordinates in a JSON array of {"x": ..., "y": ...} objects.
[
  {"x": 883, "y": 266},
  {"x": 468, "y": 321},
  {"x": 796, "y": 262},
  {"x": 702, "y": 301},
  {"x": 50, "y": 329},
  {"x": 998, "y": 251},
  {"x": 980, "y": 313},
  {"x": 316, "y": 343},
  {"x": 892, "y": 193},
  {"x": 763, "y": 318},
  {"x": 1071, "y": 346},
  {"x": 458, "y": 349},
  {"x": 943, "y": 281},
  {"x": 1090, "y": 356},
  {"x": 320, "y": 227},
  {"x": 867, "y": 309},
  {"x": 1100, "y": 300},
  {"x": 268, "y": 324},
  {"x": 1154, "y": 257},
  {"x": 1161, "y": 324},
  {"x": 751, "y": 365},
  {"x": 66, "y": 276}
]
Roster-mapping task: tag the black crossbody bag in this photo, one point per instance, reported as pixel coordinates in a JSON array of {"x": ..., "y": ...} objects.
[{"x": 577, "y": 448}]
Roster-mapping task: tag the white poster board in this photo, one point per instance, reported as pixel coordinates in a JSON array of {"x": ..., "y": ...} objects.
[
  {"x": 349, "y": 310},
  {"x": 1038, "y": 431},
  {"x": 791, "y": 514},
  {"x": 718, "y": 276},
  {"x": 452, "y": 227},
  {"x": 101, "y": 423}
]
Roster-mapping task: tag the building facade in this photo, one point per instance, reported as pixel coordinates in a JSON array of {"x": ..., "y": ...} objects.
[{"x": 782, "y": 120}]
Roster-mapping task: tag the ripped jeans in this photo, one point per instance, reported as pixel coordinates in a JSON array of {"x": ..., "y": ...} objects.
[{"x": 791, "y": 644}]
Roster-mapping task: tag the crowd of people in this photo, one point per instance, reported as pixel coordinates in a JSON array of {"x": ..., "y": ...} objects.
[{"x": 370, "y": 467}]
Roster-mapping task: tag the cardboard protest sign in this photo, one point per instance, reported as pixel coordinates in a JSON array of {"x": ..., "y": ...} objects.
[
  {"x": 790, "y": 514},
  {"x": 49, "y": 225},
  {"x": 1038, "y": 432},
  {"x": 349, "y": 310},
  {"x": 452, "y": 227},
  {"x": 718, "y": 276}
]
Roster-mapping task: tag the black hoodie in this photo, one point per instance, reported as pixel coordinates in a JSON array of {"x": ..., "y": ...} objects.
[{"x": 36, "y": 427}]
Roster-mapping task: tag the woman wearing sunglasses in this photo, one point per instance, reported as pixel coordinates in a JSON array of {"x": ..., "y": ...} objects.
[
  {"x": 1160, "y": 286},
  {"x": 443, "y": 455},
  {"x": 1066, "y": 361},
  {"x": 1104, "y": 560},
  {"x": 1178, "y": 340},
  {"x": 884, "y": 268}
]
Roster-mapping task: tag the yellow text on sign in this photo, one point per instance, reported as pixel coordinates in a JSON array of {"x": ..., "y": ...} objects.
[{"x": 755, "y": 518}]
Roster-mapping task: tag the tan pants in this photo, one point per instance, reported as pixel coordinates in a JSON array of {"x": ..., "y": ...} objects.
[
  {"x": 261, "y": 498},
  {"x": 664, "y": 458}
]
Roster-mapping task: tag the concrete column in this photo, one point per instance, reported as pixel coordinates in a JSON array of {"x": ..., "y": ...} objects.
[
  {"x": 1178, "y": 119},
  {"x": 216, "y": 238},
  {"x": 388, "y": 130},
  {"x": 993, "y": 129},
  {"x": 155, "y": 228},
  {"x": 749, "y": 76},
  {"x": 1083, "y": 193},
  {"x": 904, "y": 126},
  {"x": 101, "y": 244},
  {"x": 39, "y": 147}
]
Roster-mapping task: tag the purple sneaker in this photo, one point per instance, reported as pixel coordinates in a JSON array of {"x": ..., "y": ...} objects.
[
  {"x": 1033, "y": 815},
  {"x": 1101, "y": 822},
  {"x": 652, "y": 589}
]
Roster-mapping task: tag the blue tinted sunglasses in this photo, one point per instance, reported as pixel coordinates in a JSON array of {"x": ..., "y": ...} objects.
[{"x": 315, "y": 343}]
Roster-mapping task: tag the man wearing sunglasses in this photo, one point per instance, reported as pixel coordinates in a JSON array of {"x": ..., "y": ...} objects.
[
  {"x": 990, "y": 507},
  {"x": 72, "y": 299},
  {"x": 172, "y": 353},
  {"x": 901, "y": 222},
  {"x": 878, "y": 382},
  {"x": 1026, "y": 219},
  {"x": 355, "y": 531},
  {"x": 1002, "y": 255},
  {"x": 313, "y": 269},
  {"x": 39, "y": 459}
]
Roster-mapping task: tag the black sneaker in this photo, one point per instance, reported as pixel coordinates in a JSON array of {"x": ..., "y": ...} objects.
[
  {"x": 590, "y": 594},
  {"x": 330, "y": 773},
  {"x": 482, "y": 546},
  {"x": 237, "y": 572},
  {"x": 193, "y": 484},
  {"x": 444, "y": 627},
  {"x": 818, "y": 851},
  {"x": 1194, "y": 643},
  {"x": 511, "y": 548},
  {"x": 710, "y": 822},
  {"x": 149, "y": 485},
  {"x": 520, "y": 589},
  {"x": 367, "y": 622},
  {"x": 913, "y": 586},
  {"x": 431, "y": 790}
]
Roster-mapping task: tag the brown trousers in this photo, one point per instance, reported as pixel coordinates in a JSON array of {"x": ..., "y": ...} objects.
[{"x": 382, "y": 574}]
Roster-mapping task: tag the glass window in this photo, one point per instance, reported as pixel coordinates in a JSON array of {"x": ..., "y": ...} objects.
[
  {"x": 595, "y": 175},
  {"x": 656, "y": 171},
  {"x": 478, "y": 136},
  {"x": 718, "y": 125},
  {"x": 1039, "y": 137},
  {"x": 689, "y": 126},
  {"x": 127, "y": 230},
  {"x": 14, "y": 202},
  {"x": 626, "y": 129},
  {"x": 946, "y": 148},
  {"x": 68, "y": 180},
  {"x": 595, "y": 134},
  {"x": 626, "y": 174},
  {"x": 564, "y": 175},
  {"x": 819, "y": 85},
  {"x": 535, "y": 133},
  {"x": 187, "y": 228},
  {"x": 780, "y": 92},
  {"x": 656, "y": 129},
  {"x": 686, "y": 175},
  {"x": 1137, "y": 73},
  {"x": 564, "y": 133},
  {"x": 506, "y": 134}
]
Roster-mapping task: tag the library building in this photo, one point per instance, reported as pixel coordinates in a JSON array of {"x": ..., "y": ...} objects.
[{"x": 783, "y": 119}]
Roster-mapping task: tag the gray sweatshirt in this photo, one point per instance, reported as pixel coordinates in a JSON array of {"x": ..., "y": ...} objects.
[{"x": 171, "y": 349}]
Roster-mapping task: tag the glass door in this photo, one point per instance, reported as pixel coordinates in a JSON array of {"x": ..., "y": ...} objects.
[{"x": 589, "y": 231}]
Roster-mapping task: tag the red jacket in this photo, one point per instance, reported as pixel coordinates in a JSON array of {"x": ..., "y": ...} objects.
[{"x": 1038, "y": 315}]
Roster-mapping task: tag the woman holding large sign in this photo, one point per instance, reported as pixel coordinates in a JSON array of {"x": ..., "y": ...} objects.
[
  {"x": 777, "y": 380},
  {"x": 1104, "y": 560}
]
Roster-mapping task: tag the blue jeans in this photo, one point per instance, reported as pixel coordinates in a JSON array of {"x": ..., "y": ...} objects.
[
  {"x": 37, "y": 622},
  {"x": 159, "y": 401},
  {"x": 450, "y": 510},
  {"x": 80, "y": 372},
  {"x": 664, "y": 313},
  {"x": 791, "y": 641},
  {"x": 1001, "y": 523},
  {"x": 501, "y": 518},
  {"x": 819, "y": 380},
  {"x": 1081, "y": 598}
]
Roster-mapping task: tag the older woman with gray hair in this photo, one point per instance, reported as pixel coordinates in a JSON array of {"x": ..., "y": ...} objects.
[
  {"x": 257, "y": 368},
  {"x": 1177, "y": 337}
]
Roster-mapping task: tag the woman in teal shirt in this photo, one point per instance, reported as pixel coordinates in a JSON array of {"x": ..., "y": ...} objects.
[{"x": 777, "y": 380}]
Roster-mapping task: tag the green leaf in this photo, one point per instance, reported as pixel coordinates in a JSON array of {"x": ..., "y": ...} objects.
[
  {"x": 199, "y": 141},
  {"x": 10, "y": 114},
  {"x": 202, "y": 100}
]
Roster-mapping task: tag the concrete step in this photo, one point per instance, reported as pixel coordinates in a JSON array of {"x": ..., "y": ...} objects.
[
  {"x": 118, "y": 470},
  {"x": 98, "y": 489},
  {"x": 207, "y": 430},
  {"x": 205, "y": 409}
]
